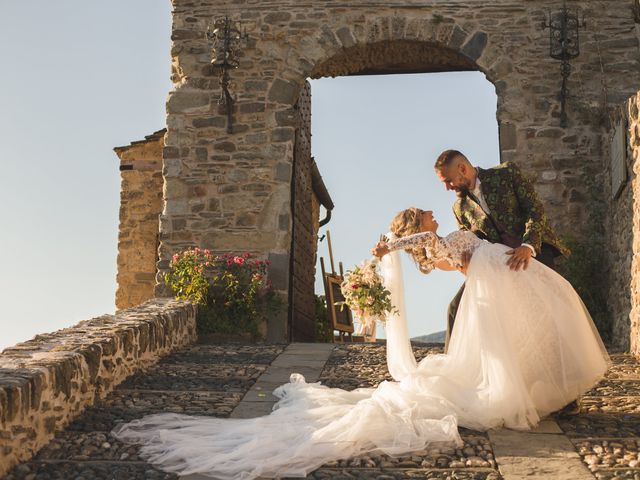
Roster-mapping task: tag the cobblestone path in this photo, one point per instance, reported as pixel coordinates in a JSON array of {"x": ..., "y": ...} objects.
[
  {"x": 212, "y": 379},
  {"x": 199, "y": 380}
]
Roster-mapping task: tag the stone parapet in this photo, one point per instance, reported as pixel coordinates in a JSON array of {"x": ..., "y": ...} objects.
[{"x": 49, "y": 380}]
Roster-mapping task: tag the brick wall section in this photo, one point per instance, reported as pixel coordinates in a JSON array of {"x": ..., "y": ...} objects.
[
  {"x": 47, "y": 381},
  {"x": 228, "y": 190},
  {"x": 140, "y": 208},
  {"x": 304, "y": 240}
]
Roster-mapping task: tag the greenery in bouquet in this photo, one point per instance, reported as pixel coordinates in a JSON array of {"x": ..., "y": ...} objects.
[{"x": 365, "y": 294}]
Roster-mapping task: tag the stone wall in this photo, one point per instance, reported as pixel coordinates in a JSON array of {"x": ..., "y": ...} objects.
[
  {"x": 214, "y": 180},
  {"x": 634, "y": 148},
  {"x": 140, "y": 208},
  {"x": 623, "y": 228},
  {"x": 47, "y": 381},
  {"x": 624, "y": 234},
  {"x": 619, "y": 235}
]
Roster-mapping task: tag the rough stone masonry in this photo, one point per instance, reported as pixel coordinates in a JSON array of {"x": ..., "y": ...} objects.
[{"x": 227, "y": 191}]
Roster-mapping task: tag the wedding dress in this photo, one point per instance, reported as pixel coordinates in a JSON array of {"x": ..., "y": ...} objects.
[{"x": 523, "y": 346}]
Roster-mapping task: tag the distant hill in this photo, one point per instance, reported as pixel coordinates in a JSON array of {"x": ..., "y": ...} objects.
[{"x": 437, "y": 337}]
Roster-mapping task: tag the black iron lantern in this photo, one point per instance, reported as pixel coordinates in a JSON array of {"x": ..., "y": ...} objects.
[
  {"x": 225, "y": 39},
  {"x": 564, "y": 45}
]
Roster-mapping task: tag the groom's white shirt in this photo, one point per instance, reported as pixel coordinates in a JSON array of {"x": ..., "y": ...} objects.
[{"x": 477, "y": 191}]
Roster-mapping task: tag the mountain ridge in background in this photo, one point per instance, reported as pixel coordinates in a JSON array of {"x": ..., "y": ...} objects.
[{"x": 436, "y": 337}]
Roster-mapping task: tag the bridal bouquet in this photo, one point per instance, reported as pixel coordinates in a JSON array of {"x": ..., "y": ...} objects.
[{"x": 365, "y": 294}]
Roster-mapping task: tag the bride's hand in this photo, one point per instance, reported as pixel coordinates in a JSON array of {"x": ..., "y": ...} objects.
[{"x": 380, "y": 250}]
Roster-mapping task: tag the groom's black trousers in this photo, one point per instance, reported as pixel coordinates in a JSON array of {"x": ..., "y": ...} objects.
[{"x": 546, "y": 256}]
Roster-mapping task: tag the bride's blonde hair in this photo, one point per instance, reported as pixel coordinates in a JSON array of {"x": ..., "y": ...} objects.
[{"x": 407, "y": 222}]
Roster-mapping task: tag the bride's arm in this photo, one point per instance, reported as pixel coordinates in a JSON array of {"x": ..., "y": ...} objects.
[
  {"x": 445, "y": 265},
  {"x": 417, "y": 239}
]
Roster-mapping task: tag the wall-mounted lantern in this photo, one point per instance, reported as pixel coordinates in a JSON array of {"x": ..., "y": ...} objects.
[
  {"x": 225, "y": 38},
  {"x": 564, "y": 45}
]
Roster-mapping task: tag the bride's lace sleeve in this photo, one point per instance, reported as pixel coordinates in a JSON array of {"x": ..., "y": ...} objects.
[
  {"x": 427, "y": 240},
  {"x": 434, "y": 248}
]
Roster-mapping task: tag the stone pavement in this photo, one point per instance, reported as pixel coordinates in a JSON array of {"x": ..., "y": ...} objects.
[{"x": 236, "y": 380}]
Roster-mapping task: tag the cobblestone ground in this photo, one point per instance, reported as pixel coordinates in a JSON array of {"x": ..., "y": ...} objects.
[
  {"x": 199, "y": 380},
  {"x": 212, "y": 379},
  {"x": 366, "y": 368},
  {"x": 606, "y": 432}
]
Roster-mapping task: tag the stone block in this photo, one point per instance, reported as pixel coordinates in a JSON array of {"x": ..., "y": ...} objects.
[
  {"x": 475, "y": 46},
  {"x": 282, "y": 91},
  {"x": 346, "y": 37},
  {"x": 508, "y": 139},
  {"x": 182, "y": 101},
  {"x": 277, "y": 17},
  {"x": 284, "y": 134},
  {"x": 204, "y": 122},
  {"x": 283, "y": 172},
  {"x": 279, "y": 270},
  {"x": 458, "y": 36}
]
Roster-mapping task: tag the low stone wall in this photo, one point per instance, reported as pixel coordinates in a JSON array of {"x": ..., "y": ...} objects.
[{"x": 48, "y": 380}]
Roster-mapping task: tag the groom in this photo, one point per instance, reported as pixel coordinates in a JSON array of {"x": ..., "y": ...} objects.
[{"x": 500, "y": 205}]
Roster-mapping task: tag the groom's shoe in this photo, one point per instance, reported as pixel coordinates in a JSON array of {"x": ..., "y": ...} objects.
[{"x": 572, "y": 408}]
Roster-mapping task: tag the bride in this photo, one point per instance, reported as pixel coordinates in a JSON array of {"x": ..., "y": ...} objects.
[{"x": 523, "y": 346}]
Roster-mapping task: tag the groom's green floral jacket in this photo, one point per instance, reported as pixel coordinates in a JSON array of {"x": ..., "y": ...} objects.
[{"x": 513, "y": 204}]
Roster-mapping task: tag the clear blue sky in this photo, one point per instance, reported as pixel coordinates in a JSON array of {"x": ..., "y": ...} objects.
[
  {"x": 375, "y": 140},
  {"x": 80, "y": 78}
]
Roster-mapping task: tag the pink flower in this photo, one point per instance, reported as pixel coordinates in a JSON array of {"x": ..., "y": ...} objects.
[
  {"x": 238, "y": 260},
  {"x": 175, "y": 257},
  {"x": 354, "y": 286}
]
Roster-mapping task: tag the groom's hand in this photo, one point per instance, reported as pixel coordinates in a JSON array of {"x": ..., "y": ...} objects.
[
  {"x": 519, "y": 258},
  {"x": 466, "y": 259}
]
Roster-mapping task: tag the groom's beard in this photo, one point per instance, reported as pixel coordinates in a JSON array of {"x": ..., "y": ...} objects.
[{"x": 462, "y": 191}]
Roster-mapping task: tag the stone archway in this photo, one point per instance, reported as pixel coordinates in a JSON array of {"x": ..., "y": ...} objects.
[
  {"x": 264, "y": 216},
  {"x": 233, "y": 191},
  {"x": 377, "y": 58}
]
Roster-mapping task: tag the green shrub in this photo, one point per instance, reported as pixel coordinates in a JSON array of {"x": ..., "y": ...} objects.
[
  {"x": 324, "y": 332},
  {"x": 584, "y": 270},
  {"x": 232, "y": 290}
]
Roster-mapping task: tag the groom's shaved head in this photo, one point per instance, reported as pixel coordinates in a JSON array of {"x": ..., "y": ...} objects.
[
  {"x": 456, "y": 172},
  {"x": 450, "y": 158}
]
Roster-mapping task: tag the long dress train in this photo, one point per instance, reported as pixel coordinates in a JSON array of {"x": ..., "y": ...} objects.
[{"x": 523, "y": 346}]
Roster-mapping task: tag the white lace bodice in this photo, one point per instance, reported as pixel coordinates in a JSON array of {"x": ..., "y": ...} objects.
[{"x": 449, "y": 248}]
